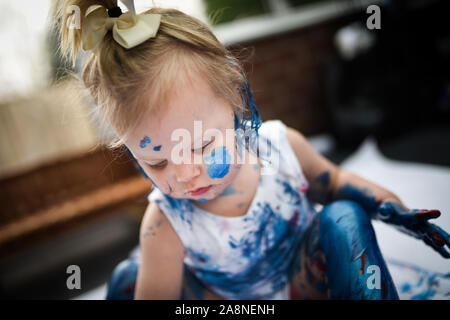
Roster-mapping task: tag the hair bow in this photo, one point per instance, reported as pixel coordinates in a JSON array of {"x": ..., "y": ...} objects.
[{"x": 129, "y": 29}]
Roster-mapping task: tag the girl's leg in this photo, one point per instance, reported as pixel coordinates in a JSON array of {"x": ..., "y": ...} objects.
[
  {"x": 123, "y": 280},
  {"x": 339, "y": 257}
]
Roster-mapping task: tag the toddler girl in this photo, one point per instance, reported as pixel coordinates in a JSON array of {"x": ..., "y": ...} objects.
[{"x": 231, "y": 212}]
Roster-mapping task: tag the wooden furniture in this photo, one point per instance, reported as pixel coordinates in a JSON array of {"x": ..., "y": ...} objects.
[{"x": 58, "y": 195}]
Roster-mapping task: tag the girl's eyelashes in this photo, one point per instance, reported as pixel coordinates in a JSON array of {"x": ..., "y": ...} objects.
[
  {"x": 205, "y": 146},
  {"x": 164, "y": 162},
  {"x": 158, "y": 165}
]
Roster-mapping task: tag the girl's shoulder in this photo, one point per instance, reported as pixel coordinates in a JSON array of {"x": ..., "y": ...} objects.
[{"x": 274, "y": 144}]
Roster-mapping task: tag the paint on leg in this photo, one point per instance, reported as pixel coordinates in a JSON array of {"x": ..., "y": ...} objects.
[
  {"x": 309, "y": 279},
  {"x": 349, "y": 243},
  {"x": 193, "y": 289}
]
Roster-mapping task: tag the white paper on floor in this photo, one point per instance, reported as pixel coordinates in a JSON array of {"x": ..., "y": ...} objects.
[{"x": 419, "y": 186}]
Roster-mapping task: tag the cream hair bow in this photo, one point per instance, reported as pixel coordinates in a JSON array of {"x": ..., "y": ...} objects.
[{"x": 129, "y": 29}]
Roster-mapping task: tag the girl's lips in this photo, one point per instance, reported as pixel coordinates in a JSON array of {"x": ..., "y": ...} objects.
[{"x": 200, "y": 191}]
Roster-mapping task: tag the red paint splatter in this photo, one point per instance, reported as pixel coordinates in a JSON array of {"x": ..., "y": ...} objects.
[
  {"x": 130, "y": 289},
  {"x": 362, "y": 261},
  {"x": 438, "y": 239},
  {"x": 294, "y": 295},
  {"x": 303, "y": 188},
  {"x": 318, "y": 265},
  {"x": 426, "y": 212},
  {"x": 294, "y": 219}
]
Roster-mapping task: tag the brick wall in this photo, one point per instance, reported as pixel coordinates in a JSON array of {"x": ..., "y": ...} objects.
[{"x": 285, "y": 74}]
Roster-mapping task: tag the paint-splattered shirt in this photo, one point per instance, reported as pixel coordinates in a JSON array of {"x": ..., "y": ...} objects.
[{"x": 248, "y": 257}]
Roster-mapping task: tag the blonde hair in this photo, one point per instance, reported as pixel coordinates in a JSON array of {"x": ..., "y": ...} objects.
[{"x": 128, "y": 83}]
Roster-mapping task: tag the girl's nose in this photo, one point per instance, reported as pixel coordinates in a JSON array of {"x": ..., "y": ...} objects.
[{"x": 186, "y": 172}]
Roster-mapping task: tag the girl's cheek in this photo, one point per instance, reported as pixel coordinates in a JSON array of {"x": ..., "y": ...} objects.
[{"x": 218, "y": 163}]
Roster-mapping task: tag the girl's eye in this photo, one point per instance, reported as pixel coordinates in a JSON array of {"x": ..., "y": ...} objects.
[
  {"x": 206, "y": 145},
  {"x": 203, "y": 148},
  {"x": 158, "y": 165}
]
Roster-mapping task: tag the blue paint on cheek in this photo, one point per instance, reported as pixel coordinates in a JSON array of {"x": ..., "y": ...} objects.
[
  {"x": 219, "y": 162},
  {"x": 202, "y": 200}
]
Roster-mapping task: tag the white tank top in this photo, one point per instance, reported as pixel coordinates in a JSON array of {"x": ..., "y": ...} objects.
[{"x": 248, "y": 257}]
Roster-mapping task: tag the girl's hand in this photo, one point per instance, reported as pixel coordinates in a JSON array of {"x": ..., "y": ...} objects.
[{"x": 415, "y": 223}]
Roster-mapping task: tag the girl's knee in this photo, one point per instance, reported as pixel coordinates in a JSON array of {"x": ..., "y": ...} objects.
[
  {"x": 341, "y": 213},
  {"x": 345, "y": 222},
  {"x": 122, "y": 283}
]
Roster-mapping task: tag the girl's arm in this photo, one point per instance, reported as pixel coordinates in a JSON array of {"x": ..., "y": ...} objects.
[
  {"x": 328, "y": 183},
  {"x": 160, "y": 274}
]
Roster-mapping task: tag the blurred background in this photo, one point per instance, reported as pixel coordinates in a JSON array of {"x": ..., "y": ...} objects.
[{"x": 374, "y": 101}]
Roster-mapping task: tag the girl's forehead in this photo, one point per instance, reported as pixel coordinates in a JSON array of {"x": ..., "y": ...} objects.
[
  {"x": 191, "y": 102},
  {"x": 154, "y": 137}
]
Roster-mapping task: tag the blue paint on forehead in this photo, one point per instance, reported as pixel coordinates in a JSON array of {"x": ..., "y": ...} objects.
[{"x": 144, "y": 142}]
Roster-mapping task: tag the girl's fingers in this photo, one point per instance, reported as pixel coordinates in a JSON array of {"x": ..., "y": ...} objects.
[
  {"x": 427, "y": 214},
  {"x": 441, "y": 249},
  {"x": 440, "y": 233}
]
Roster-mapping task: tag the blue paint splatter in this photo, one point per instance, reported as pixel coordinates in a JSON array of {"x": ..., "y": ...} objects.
[
  {"x": 361, "y": 196},
  {"x": 144, "y": 142},
  {"x": 289, "y": 190},
  {"x": 157, "y": 148},
  {"x": 220, "y": 163},
  {"x": 229, "y": 190}
]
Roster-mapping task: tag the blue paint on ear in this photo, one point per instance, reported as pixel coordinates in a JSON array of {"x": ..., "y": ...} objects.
[
  {"x": 255, "y": 115},
  {"x": 249, "y": 103},
  {"x": 249, "y": 125}
]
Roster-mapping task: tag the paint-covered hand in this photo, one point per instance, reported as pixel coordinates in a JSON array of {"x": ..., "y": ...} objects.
[{"x": 415, "y": 223}]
